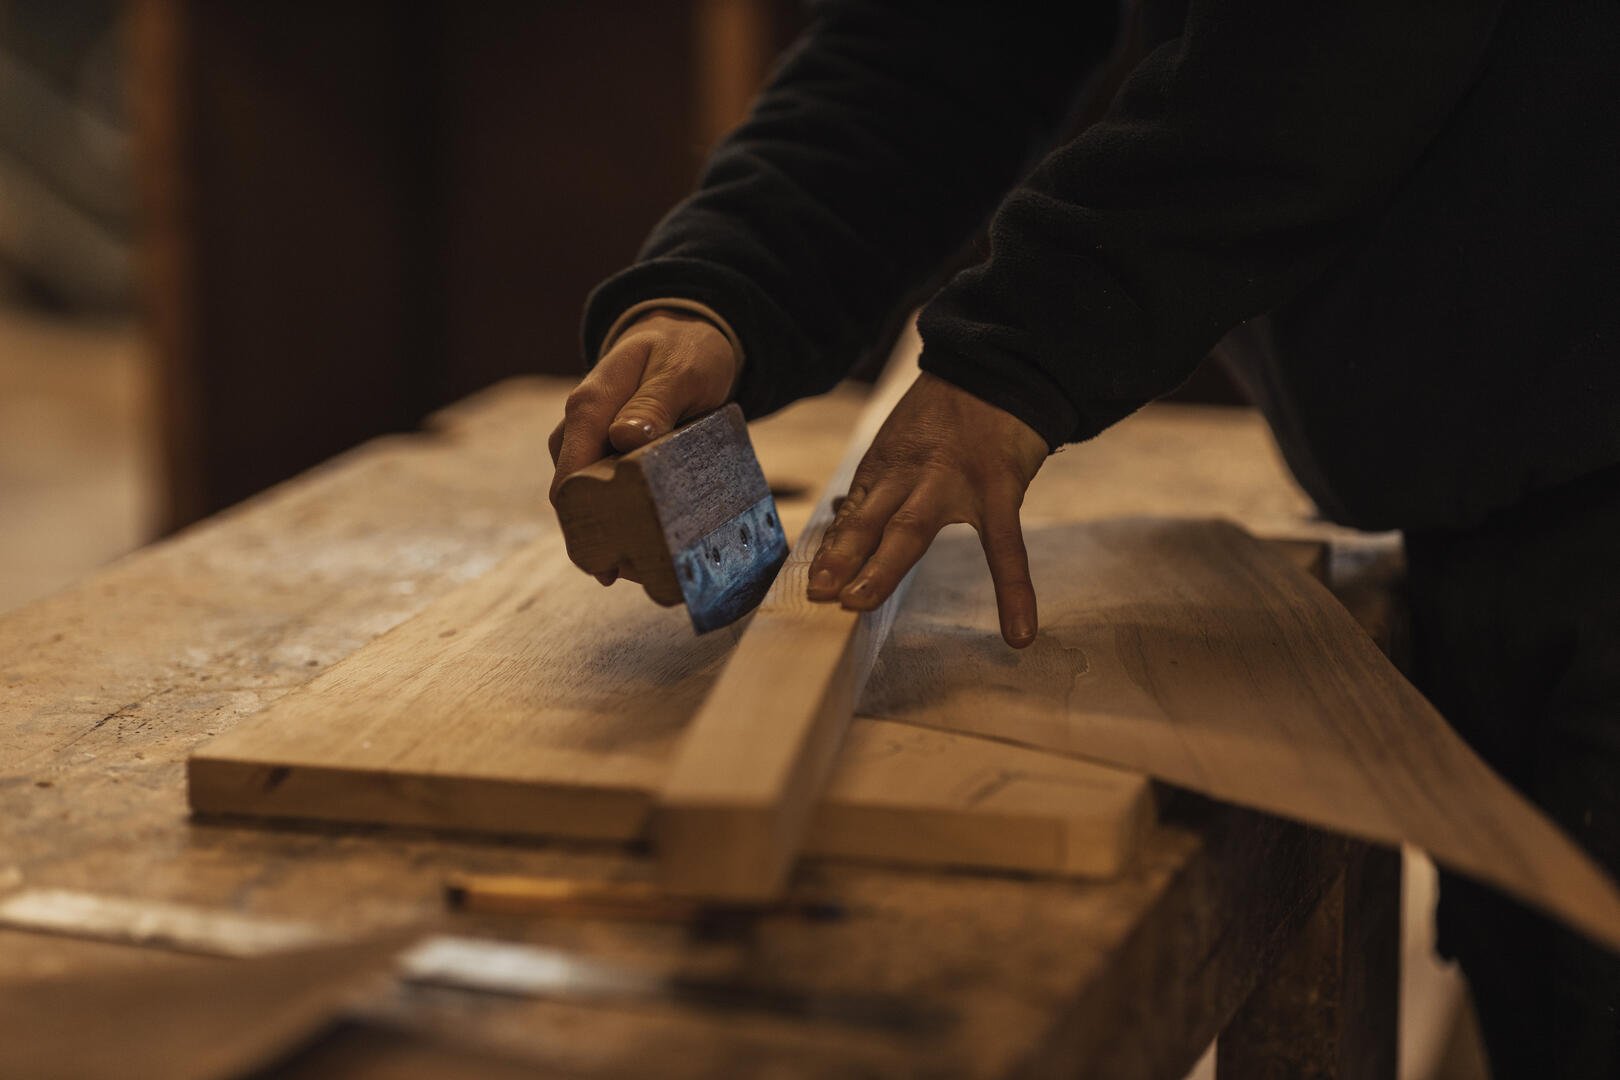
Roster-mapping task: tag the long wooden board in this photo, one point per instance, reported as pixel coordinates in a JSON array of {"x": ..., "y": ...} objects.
[
  {"x": 1189, "y": 651},
  {"x": 738, "y": 799},
  {"x": 531, "y": 701}
]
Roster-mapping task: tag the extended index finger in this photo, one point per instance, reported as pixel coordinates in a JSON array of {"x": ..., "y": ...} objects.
[{"x": 1002, "y": 537}]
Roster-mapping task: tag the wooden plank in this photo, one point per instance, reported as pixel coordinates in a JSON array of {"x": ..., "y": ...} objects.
[
  {"x": 738, "y": 798},
  {"x": 1189, "y": 651},
  {"x": 533, "y": 702}
]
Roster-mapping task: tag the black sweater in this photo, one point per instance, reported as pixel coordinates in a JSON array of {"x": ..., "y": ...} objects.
[{"x": 1398, "y": 216}]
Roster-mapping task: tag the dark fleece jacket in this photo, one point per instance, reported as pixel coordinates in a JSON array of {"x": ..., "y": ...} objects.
[{"x": 1399, "y": 217}]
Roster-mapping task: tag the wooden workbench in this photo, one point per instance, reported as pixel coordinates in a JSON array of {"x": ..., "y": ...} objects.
[{"x": 105, "y": 688}]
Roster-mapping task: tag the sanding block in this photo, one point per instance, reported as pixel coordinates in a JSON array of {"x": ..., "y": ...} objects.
[{"x": 688, "y": 516}]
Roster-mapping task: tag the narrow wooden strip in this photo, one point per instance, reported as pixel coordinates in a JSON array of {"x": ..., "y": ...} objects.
[
  {"x": 737, "y": 800},
  {"x": 627, "y": 901}
]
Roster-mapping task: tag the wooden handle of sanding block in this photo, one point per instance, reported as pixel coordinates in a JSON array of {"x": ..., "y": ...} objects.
[
  {"x": 610, "y": 524},
  {"x": 635, "y": 513}
]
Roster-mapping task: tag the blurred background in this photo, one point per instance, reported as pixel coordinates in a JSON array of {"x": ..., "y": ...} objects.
[{"x": 237, "y": 238}]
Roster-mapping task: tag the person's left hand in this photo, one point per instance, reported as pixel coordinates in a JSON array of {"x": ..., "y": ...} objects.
[{"x": 942, "y": 457}]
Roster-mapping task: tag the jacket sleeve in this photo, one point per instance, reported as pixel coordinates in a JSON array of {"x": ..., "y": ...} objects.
[
  {"x": 881, "y": 144},
  {"x": 1235, "y": 163}
]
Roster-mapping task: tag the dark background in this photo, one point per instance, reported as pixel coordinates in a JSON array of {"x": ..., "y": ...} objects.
[
  {"x": 322, "y": 221},
  {"x": 358, "y": 212}
]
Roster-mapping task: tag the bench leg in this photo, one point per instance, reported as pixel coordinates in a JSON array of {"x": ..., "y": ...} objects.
[{"x": 1328, "y": 1007}]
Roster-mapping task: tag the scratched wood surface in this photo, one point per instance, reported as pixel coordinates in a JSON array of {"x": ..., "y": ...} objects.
[
  {"x": 1189, "y": 651},
  {"x": 106, "y": 687},
  {"x": 532, "y": 701}
]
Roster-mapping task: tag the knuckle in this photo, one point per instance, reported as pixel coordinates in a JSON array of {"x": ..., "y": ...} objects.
[
  {"x": 631, "y": 346},
  {"x": 840, "y": 566},
  {"x": 846, "y": 505},
  {"x": 647, "y": 407},
  {"x": 1008, "y": 565},
  {"x": 1005, "y": 535},
  {"x": 1013, "y": 577},
  {"x": 845, "y": 544},
  {"x": 844, "y": 528},
  {"x": 690, "y": 382},
  {"x": 908, "y": 521},
  {"x": 1004, "y": 491},
  {"x": 849, "y": 521},
  {"x": 637, "y": 335},
  {"x": 583, "y": 398}
]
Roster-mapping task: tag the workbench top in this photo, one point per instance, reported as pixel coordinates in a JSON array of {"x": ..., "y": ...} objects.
[{"x": 107, "y": 686}]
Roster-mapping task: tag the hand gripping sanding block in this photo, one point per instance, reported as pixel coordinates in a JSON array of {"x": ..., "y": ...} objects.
[{"x": 689, "y": 516}]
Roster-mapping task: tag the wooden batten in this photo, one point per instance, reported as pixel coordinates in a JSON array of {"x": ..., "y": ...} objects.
[{"x": 735, "y": 805}]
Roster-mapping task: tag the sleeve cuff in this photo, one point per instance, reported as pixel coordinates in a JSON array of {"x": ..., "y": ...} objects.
[
  {"x": 1022, "y": 390},
  {"x": 760, "y": 326}
]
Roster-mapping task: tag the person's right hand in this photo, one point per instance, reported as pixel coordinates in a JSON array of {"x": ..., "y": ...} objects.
[{"x": 666, "y": 367}]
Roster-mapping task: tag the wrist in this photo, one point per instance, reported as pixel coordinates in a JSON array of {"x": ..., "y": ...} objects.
[{"x": 673, "y": 305}]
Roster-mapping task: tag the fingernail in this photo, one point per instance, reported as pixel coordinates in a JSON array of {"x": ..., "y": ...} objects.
[
  {"x": 860, "y": 588},
  {"x": 822, "y": 581},
  {"x": 1021, "y": 630},
  {"x": 643, "y": 426}
]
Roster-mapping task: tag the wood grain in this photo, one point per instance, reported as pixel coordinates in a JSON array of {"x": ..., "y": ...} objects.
[
  {"x": 1190, "y": 652},
  {"x": 533, "y": 702},
  {"x": 739, "y": 795},
  {"x": 107, "y": 687}
]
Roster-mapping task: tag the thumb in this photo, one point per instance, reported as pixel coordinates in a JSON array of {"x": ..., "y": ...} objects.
[
  {"x": 664, "y": 400},
  {"x": 645, "y": 417}
]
